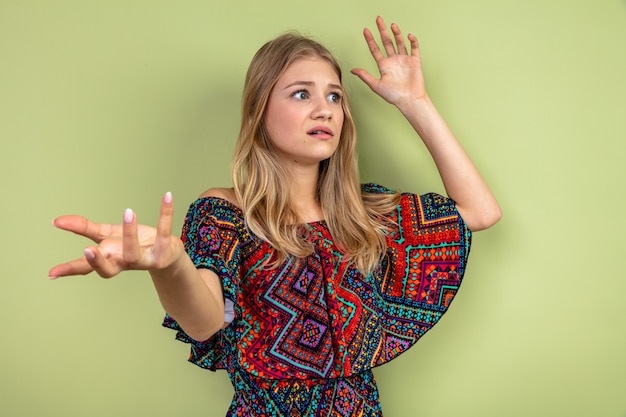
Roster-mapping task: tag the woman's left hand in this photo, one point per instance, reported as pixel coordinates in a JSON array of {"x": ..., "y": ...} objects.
[{"x": 401, "y": 80}]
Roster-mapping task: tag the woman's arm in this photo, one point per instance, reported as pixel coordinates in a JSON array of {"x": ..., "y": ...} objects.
[
  {"x": 192, "y": 297},
  {"x": 462, "y": 181},
  {"x": 401, "y": 83}
]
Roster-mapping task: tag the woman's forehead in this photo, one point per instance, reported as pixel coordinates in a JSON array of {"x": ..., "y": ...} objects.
[{"x": 310, "y": 69}]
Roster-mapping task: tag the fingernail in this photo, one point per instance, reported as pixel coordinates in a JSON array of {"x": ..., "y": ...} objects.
[
  {"x": 128, "y": 216},
  {"x": 52, "y": 277},
  {"x": 168, "y": 198},
  {"x": 89, "y": 254}
]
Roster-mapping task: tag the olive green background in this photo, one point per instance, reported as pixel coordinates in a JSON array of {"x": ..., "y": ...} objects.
[{"x": 108, "y": 104}]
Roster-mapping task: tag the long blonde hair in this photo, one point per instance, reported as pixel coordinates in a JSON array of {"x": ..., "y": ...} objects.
[{"x": 354, "y": 219}]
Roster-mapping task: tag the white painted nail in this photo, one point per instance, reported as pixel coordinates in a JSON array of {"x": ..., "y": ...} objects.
[
  {"x": 128, "y": 216},
  {"x": 89, "y": 253}
]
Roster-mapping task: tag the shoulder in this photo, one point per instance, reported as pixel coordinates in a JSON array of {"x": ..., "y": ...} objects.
[
  {"x": 430, "y": 210},
  {"x": 373, "y": 188},
  {"x": 227, "y": 194},
  {"x": 218, "y": 203},
  {"x": 216, "y": 206}
]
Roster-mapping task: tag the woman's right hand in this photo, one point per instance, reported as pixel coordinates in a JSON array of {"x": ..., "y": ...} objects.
[{"x": 120, "y": 247}]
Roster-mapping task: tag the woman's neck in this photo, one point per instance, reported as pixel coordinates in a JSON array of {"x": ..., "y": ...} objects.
[{"x": 303, "y": 191}]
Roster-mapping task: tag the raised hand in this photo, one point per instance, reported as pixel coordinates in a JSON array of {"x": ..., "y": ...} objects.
[
  {"x": 401, "y": 80},
  {"x": 120, "y": 247}
]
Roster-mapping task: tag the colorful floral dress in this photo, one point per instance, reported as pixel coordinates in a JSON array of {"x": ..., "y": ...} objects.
[{"x": 306, "y": 335}]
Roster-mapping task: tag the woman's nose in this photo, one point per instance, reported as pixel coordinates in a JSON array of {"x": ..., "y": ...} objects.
[{"x": 322, "y": 109}]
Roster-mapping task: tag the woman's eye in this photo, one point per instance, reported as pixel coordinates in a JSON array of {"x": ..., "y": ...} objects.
[
  {"x": 300, "y": 95},
  {"x": 334, "y": 97}
]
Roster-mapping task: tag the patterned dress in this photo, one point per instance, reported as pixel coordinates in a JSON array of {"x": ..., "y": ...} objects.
[{"x": 306, "y": 335}]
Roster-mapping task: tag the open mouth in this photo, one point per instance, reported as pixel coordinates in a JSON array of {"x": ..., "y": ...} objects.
[{"x": 322, "y": 132}]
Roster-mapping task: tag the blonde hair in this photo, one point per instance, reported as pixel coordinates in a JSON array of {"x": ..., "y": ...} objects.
[{"x": 354, "y": 219}]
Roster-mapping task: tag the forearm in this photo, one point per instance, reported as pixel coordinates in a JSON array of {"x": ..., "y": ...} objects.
[
  {"x": 192, "y": 297},
  {"x": 462, "y": 181}
]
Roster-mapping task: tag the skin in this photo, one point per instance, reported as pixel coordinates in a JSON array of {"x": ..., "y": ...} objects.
[
  {"x": 304, "y": 119},
  {"x": 194, "y": 297},
  {"x": 401, "y": 83},
  {"x": 304, "y": 116}
]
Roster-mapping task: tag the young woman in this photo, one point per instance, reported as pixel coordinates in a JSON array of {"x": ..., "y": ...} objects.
[{"x": 299, "y": 280}]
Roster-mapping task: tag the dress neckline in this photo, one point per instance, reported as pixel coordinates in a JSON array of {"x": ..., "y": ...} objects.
[{"x": 239, "y": 212}]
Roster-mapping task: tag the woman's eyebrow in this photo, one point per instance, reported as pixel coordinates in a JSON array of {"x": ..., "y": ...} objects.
[{"x": 311, "y": 83}]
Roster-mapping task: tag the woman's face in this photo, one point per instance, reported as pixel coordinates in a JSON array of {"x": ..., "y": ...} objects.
[{"x": 304, "y": 115}]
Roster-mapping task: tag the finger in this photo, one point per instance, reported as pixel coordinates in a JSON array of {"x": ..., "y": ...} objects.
[
  {"x": 99, "y": 263},
  {"x": 164, "y": 226},
  {"x": 75, "y": 267},
  {"x": 415, "y": 46},
  {"x": 390, "y": 48},
  {"x": 397, "y": 34},
  {"x": 162, "y": 241},
  {"x": 366, "y": 77},
  {"x": 372, "y": 45},
  {"x": 84, "y": 227},
  {"x": 130, "y": 247}
]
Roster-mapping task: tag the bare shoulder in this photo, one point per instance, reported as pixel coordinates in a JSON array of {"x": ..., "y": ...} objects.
[{"x": 227, "y": 194}]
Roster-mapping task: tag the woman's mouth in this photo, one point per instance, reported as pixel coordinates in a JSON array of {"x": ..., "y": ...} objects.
[{"x": 321, "y": 132}]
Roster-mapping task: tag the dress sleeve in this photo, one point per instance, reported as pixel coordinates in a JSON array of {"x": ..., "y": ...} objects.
[
  {"x": 422, "y": 272},
  {"x": 212, "y": 238}
]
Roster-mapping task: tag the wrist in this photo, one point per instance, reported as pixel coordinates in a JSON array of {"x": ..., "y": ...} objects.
[
  {"x": 412, "y": 106},
  {"x": 176, "y": 265}
]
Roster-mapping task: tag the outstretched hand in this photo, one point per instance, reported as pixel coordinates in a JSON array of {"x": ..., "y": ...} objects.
[
  {"x": 120, "y": 247},
  {"x": 401, "y": 79}
]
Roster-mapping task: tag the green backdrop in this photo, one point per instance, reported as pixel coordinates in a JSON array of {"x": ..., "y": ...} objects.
[{"x": 108, "y": 104}]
